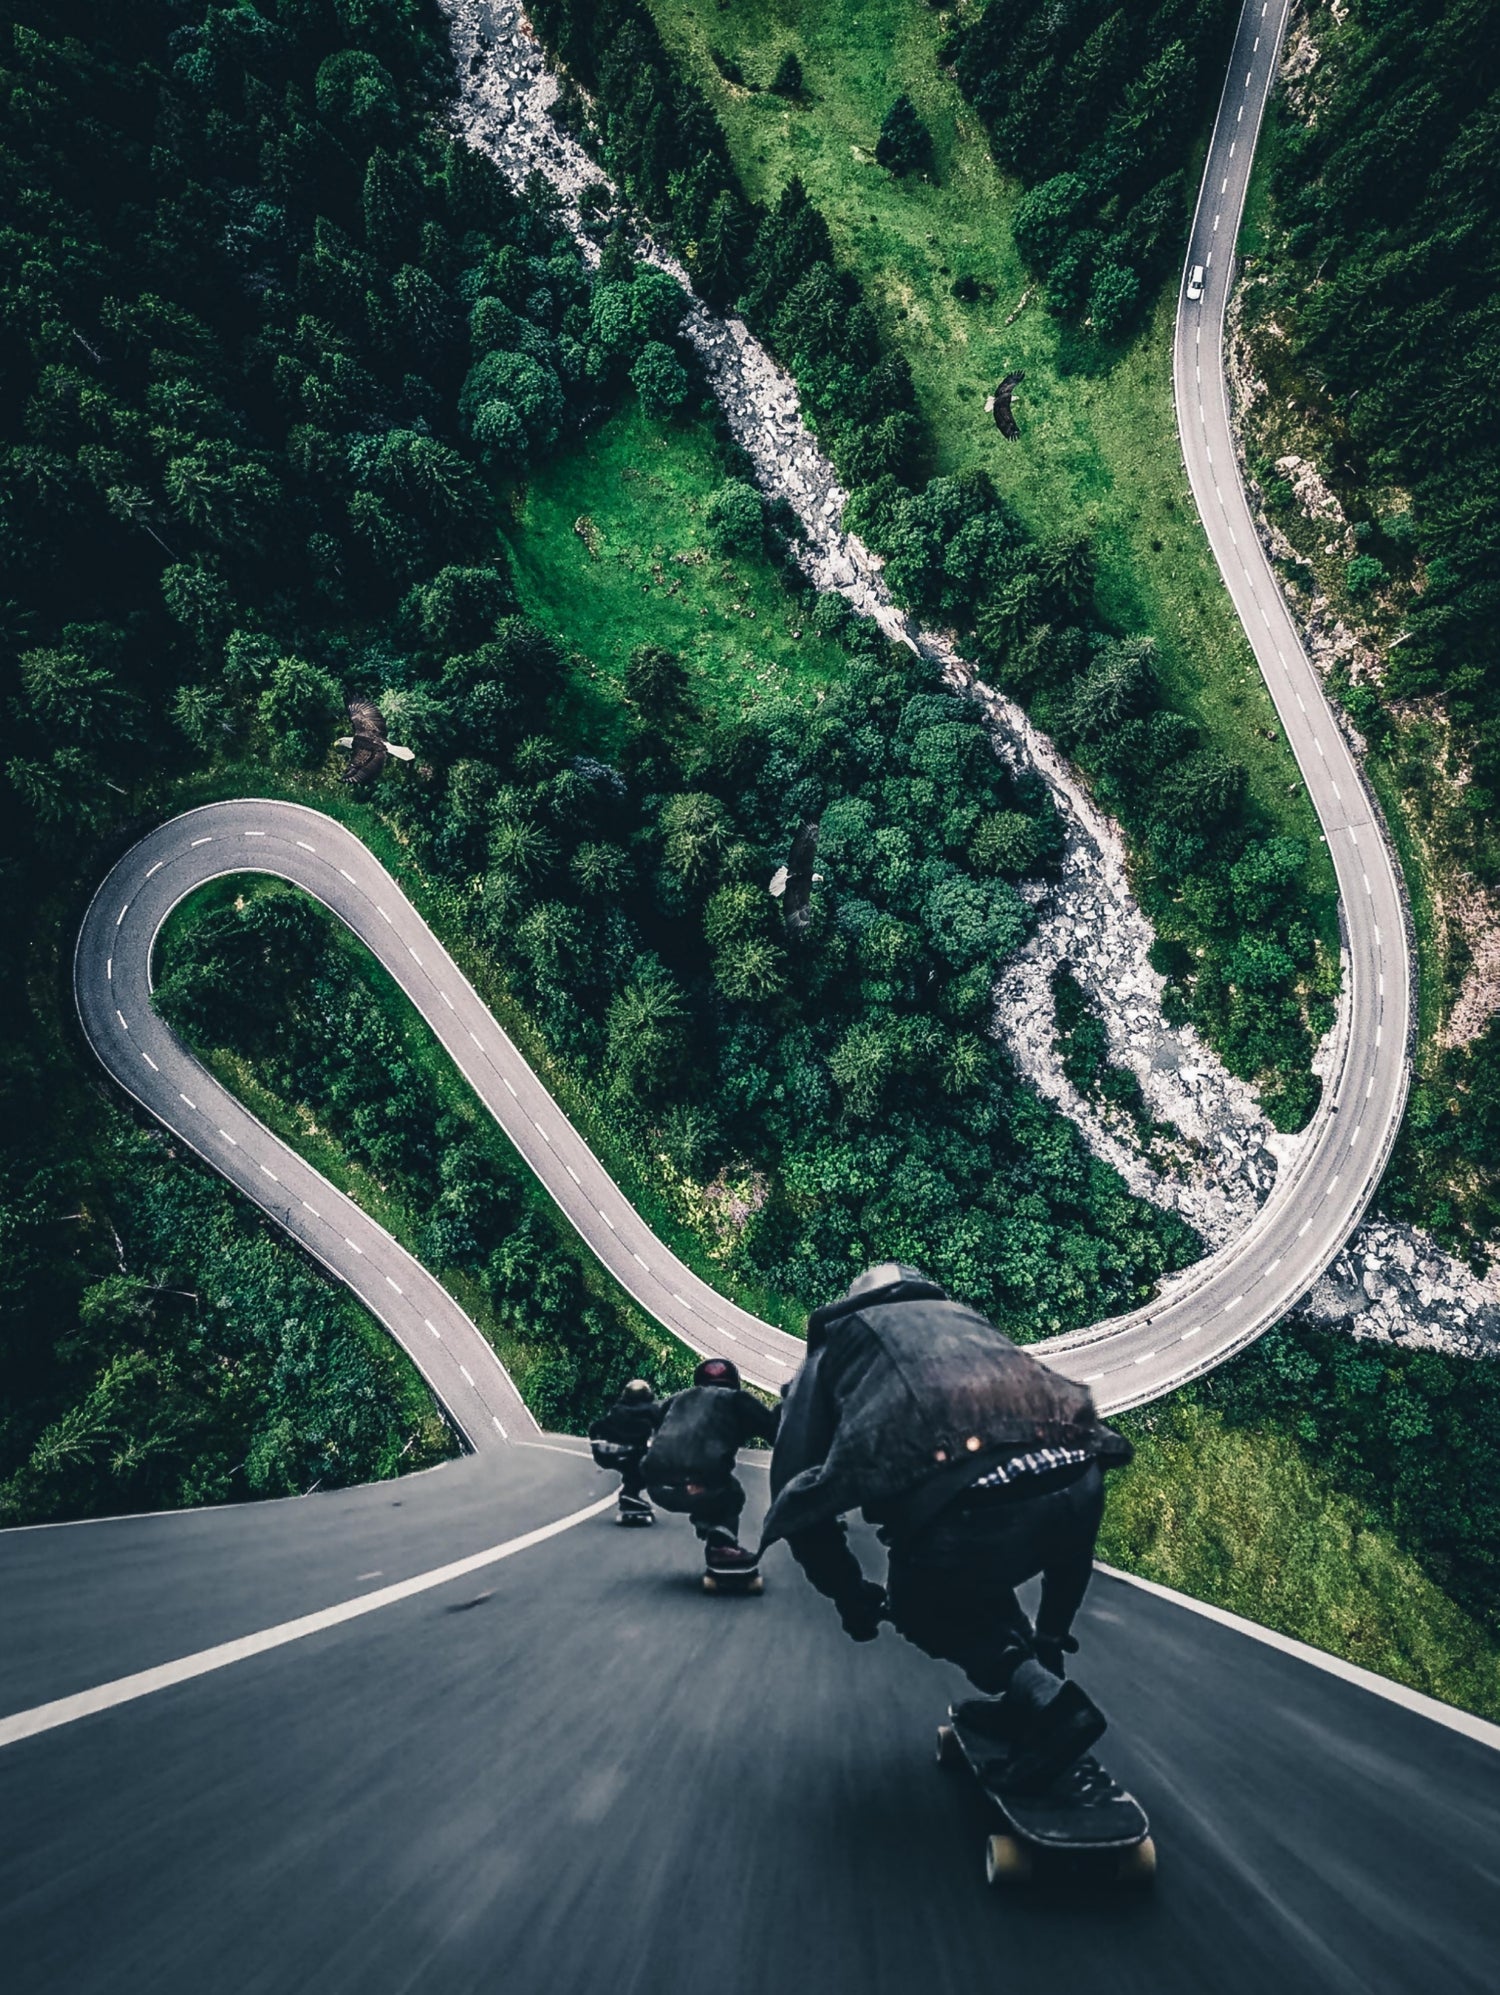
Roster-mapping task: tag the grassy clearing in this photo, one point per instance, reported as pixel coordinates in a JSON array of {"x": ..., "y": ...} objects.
[
  {"x": 1099, "y": 444},
  {"x": 390, "y": 1204},
  {"x": 1244, "y": 1518},
  {"x": 610, "y": 552}
]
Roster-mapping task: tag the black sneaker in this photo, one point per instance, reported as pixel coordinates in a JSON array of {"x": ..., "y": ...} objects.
[{"x": 1051, "y": 1738}]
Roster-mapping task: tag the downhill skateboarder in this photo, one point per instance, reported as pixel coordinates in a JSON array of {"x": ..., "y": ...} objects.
[
  {"x": 690, "y": 1463},
  {"x": 981, "y": 1468},
  {"x": 620, "y": 1438}
]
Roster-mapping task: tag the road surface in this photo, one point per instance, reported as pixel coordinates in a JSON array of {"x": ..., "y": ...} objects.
[{"x": 572, "y": 1771}]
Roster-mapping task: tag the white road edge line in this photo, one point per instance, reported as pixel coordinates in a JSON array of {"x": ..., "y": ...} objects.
[
  {"x": 126, "y": 1689},
  {"x": 1479, "y": 1729}
]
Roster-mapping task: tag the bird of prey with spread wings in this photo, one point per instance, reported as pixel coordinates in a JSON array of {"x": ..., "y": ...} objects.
[
  {"x": 999, "y": 406},
  {"x": 792, "y": 884},
  {"x": 369, "y": 751}
]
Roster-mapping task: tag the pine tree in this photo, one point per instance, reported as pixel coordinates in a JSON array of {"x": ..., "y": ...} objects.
[{"x": 905, "y": 144}]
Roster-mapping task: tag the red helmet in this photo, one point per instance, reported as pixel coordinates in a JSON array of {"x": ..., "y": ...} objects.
[{"x": 718, "y": 1371}]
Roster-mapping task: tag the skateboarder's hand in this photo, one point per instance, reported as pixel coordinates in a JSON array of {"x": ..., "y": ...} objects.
[{"x": 863, "y": 1612}]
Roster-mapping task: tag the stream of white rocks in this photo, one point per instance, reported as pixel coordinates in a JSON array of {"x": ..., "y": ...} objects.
[{"x": 1391, "y": 1282}]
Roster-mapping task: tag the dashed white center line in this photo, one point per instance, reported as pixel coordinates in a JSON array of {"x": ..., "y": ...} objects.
[
  {"x": 156, "y": 868},
  {"x": 1332, "y": 1185},
  {"x": 412, "y": 953},
  {"x": 498, "y": 1428},
  {"x": 573, "y": 1174},
  {"x": 149, "y": 1061},
  {"x": 433, "y": 1328},
  {"x": 354, "y": 1244},
  {"x": 311, "y": 1208},
  {"x": 1145, "y": 1357},
  {"x": 510, "y": 1084},
  {"x": 270, "y": 1174},
  {"x": 1369, "y": 1087},
  {"x": 1366, "y": 878},
  {"x": 255, "y": 834},
  {"x": 468, "y": 1375},
  {"x": 540, "y": 1131},
  {"x": 446, "y": 999},
  {"x": 305, "y": 847},
  {"x": 1231, "y": 1305},
  {"x": 191, "y": 1104},
  {"x": 391, "y": 1282},
  {"x": 636, "y": 1257},
  {"x": 231, "y": 1140},
  {"x": 1274, "y": 1265},
  {"x": 383, "y": 915},
  {"x": 121, "y": 1016},
  {"x": 1359, "y": 1131},
  {"x": 1303, "y": 1228},
  {"x": 347, "y": 874},
  {"x": 1190, "y": 1333},
  {"x": 606, "y": 1218},
  {"x": 122, "y": 914},
  {"x": 109, "y": 968},
  {"x": 476, "y": 1038}
]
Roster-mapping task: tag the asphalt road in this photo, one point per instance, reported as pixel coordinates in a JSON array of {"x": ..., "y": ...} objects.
[{"x": 575, "y": 1771}]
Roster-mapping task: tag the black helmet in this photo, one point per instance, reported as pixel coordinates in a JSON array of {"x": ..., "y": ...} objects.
[
  {"x": 718, "y": 1371},
  {"x": 637, "y": 1392}
]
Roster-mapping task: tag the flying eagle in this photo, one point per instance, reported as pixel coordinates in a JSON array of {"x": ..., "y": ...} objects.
[
  {"x": 999, "y": 406},
  {"x": 369, "y": 749},
  {"x": 792, "y": 884}
]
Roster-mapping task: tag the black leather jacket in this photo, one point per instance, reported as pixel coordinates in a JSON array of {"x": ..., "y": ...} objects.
[
  {"x": 904, "y": 1400},
  {"x": 700, "y": 1433}
]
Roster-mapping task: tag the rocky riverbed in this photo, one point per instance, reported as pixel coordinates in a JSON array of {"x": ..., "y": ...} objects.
[{"x": 1390, "y": 1283}]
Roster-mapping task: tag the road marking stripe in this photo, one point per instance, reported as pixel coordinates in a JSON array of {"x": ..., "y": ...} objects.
[
  {"x": 636, "y": 1257},
  {"x": 1303, "y": 1228},
  {"x": 1145, "y": 1357},
  {"x": 354, "y": 1244},
  {"x": 255, "y": 834},
  {"x": 109, "y": 968},
  {"x": 476, "y": 1038},
  {"x": 302, "y": 842},
  {"x": 122, "y": 914},
  {"x": 391, "y": 1282},
  {"x": 573, "y": 1174},
  {"x": 231, "y": 1140},
  {"x": 149, "y": 1061},
  {"x": 383, "y": 915},
  {"x": 1479, "y": 1729},
  {"x": 312, "y": 1209},
  {"x": 510, "y": 1084},
  {"x": 121, "y": 1016},
  {"x": 270, "y": 1174},
  {"x": 467, "y": 1373},
  {"x": 1190, "y": 1333},
  {"x": 498, "y": 1428},
  {"x": 203, "y": 841},
  {"x": 1332, "y": 1184},
  {"x": 156, "y": 868},
  {"x": 191, "y": 1104},
  {"x": 347, "y": 875},
  {"x": 446, "y": 999},
  {"x": 1231, "y": 1305},
  {"x": 412, "y": 953},
  {"x": 163, "y": 1676},
  {"x": 606, "y": 1218}
]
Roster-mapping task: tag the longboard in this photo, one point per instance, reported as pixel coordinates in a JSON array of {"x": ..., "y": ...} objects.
[{"x": 1083, "y": 1826}]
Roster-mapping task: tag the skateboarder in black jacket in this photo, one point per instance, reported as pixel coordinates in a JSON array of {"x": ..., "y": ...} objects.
[
  {"x": 620, "y": 1438},
  {"x": 981, "y": 1468},
  {"x": 690, "y": 1463}
]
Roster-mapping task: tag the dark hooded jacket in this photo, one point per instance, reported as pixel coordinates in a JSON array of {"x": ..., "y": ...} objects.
[
  {"x": 629, "y": 1423},
  {"x": 904, "y": 1400},
  {"x": 701, "y": 1432}
]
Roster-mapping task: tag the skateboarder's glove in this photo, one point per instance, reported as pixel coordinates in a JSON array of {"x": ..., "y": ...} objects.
[{"x": 863, "y": 1612}]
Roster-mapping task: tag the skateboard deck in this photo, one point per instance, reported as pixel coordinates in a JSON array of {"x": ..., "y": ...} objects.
[
  {"x": 1083, "y": 1824},
  {"x": 748, "y": 1581}
]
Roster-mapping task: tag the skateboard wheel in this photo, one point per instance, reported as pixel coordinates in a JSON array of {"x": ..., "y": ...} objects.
[
  {"x": 1138, "y": 1865},
  {"x": 710, "y": 1584},
  {"x": 1006, "y": 1861},
  {"x": 949, "y": 1752},
  {"x": 757, "y": 1585}
]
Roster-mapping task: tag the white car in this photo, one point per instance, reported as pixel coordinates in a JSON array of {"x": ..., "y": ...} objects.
[{"x": 1195, "y": 283}]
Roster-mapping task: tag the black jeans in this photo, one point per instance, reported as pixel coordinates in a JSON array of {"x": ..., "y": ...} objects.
[
  {"x": 715, "y": 1508},
  {"x": 951, "y": 1589},
  {"x": 632, "y": 1482}
]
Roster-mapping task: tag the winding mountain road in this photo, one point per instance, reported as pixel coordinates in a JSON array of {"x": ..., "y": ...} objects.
[
  {"x": 456, "y": 1731},
  {"x": 1194, "y": 1323}
]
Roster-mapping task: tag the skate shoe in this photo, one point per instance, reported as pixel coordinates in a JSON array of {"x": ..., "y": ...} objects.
[
  {"x": 634, "y": 1511},
  {"x": 730, "y": 1558}
]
